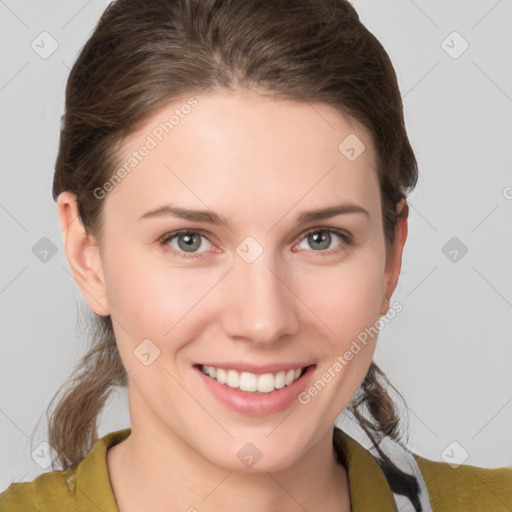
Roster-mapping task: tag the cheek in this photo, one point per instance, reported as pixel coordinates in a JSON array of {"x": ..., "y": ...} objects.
[
  {"x": 347, "y": 303},
  {"x": 152, "y": 299},
  {"x": 345, "y": 298}
]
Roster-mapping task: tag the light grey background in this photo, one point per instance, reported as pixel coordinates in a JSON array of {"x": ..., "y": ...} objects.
[{"x": 449, "y": 351}]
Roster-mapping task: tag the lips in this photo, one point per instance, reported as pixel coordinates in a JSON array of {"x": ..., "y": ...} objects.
[{"x": 257, "y": 403}]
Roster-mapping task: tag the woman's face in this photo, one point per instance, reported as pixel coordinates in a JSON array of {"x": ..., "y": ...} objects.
[{"x": 258, "y": 281}]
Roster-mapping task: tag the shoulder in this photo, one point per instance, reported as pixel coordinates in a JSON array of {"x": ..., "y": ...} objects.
[
  {"x": 49, "y": 491},
  {"x": 82, "y": 488},
  {"x": 462, "y": 488},
  {"x": 466, "y": 488}
]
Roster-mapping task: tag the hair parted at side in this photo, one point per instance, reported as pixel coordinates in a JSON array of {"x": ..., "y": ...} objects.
[{"x": 145, "y": 54}]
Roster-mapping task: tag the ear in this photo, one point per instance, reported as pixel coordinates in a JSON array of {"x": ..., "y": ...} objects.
[
  {"x": 83, "y": 254},
  {"x": 394, "y": 260}
]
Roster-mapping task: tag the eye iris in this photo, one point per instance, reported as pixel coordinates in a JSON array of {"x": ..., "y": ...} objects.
[
  {"x": 189, "y": 242},
  {"x": 322, "y": 238}
]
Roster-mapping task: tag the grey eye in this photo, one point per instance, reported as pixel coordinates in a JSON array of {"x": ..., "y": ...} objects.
[
  {"x": 321, "y": 240},
  {"x": 189, "y": 242}
]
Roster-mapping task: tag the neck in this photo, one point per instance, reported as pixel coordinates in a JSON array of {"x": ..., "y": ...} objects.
[{"x": 159, "y": 473}]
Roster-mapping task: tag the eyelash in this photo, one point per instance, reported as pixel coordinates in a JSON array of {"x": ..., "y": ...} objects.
[{"x": 345, "y": 237}]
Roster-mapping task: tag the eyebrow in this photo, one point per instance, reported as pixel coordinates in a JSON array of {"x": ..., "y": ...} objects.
[{"x": 211, "y": 217}]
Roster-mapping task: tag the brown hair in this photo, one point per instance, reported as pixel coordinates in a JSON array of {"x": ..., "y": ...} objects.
[{"x": 144, "y": 54}]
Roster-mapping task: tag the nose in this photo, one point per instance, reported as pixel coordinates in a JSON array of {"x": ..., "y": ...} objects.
[{"x": 259, "y": 306}]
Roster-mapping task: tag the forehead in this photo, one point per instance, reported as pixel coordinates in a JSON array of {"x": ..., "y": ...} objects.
[{"x": 233, "y": 151}]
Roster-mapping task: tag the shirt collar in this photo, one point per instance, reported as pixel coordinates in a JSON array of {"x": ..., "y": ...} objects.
[
  {"x": 93, "y": 488},
  {"x": 369, "y": 490}
]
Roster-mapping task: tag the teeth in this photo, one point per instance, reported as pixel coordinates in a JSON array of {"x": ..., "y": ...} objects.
[
  {"x": 251, "y": 382},
  {"x": 221, "y": 376}
]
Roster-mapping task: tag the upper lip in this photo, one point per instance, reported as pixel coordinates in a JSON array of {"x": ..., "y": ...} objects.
[{"x": 258, "y": 369}]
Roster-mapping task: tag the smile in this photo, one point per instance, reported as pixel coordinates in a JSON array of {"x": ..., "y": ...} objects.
[{"x": 251, "y": 382}]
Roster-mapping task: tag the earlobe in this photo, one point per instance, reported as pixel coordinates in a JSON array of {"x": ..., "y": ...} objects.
[
  {"x": 394, "y": 261},
  {"x": 83, "y": 255}
]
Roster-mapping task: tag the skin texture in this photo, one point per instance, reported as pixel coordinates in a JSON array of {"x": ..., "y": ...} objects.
[{"x": 259, "y": 162}]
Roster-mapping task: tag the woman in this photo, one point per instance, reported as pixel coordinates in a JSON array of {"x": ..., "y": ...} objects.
[{"x": 231, "y": 182}]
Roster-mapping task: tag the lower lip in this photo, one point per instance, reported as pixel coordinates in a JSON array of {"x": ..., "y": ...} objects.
[{"x": 253, "y": 404}]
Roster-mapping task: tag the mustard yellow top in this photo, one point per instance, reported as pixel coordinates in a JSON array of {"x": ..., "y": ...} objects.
[{"x": 86, "y": 487}]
